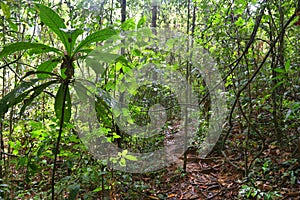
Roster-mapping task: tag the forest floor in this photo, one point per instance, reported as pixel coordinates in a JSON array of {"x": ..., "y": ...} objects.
[
  {"x": 215, "y": 177},
  {"x": 274, "y": 174}
]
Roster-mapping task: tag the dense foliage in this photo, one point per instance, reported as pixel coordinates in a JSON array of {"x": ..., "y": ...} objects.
[{"x": 47, "y": 68}]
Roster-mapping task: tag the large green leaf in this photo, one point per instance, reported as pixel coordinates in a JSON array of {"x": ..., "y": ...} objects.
[
  {"x": 81, "y": 91},
  {"x": 17, "y": 95},
  {"x": 47, "y": 66},
  {"x": 54, "y": 22},
  {"x": 30, "y": 73},
  {"x": 96, "y": 58},
  {"x": 63, "y": 99},
  {"x": 95, "y": 37},
  {"x": 19, "y": 46},
  {"x": 102, "y": 56},
  {"x": 72, "y": 35},
  {"x": 41, "y": 50},
  {"x": 36, "y": 91}
]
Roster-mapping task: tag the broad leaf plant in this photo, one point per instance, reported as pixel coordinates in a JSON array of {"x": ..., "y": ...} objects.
[{"x": 45, "y": 74}]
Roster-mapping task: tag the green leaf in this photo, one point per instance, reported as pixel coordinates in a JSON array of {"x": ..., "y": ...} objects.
[
  {"x": 103, "y": 56},
  {"x": 240, "y": 22},
  {"x": 122, "y": 162},
  {"x": 81, "y": 91},
  {"x": 131, "y": 157},
  {"x": 279, "y": 70},
  {"x": 124, "y": 152},
  {"x": 54, "y": 22},
  {"x": 74, "y": 190},
  {"x": 95, "y": 65},
  {"x": 72, "y": 35},
  {"x": 34, "y": 167},
  {"x": 278, "y": 84},
  {"x": 16, "y": 96},
  {"x": 6, "y": 10},
  {"x": 30, "y": 73},
  {"x": 12, "y": 25},
  {"x": 141, "y": 22},
  {"x": 62, "y": 73},
  {"x": 136, "y": 52},
  {"x": 36, "y": 91},
  {"x": 97, "y": 57},
  {"x": 47, "y": 66},
  {"x": 115, "y": 136},
  {"x": 40, "y": 151},
  {"x": 128, "y": 24},
  {"x": 19, "y": 46},
  {"x": 42, "y": 50},
  {"x": 287, "y": 65},
  {"x": 95, "y": 37},
  {"x": 63, "y": 99},
  {"x": 22, "y": 161},
  {"x": 97, "y": 189}
]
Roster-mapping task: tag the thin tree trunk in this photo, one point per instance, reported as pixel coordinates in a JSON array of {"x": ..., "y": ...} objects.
[
  {"x": 188, "y": 70},
  {"x": 2, "y": 158},
  {"x": 123, "y": 10},
  {"x": 280, "y": 88},
  {"x": 111, "y": 12},
  {"x": 275, "y": 81},
  {"x": 123, "y": 19},
  {"x": 154, "y": 14}
]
